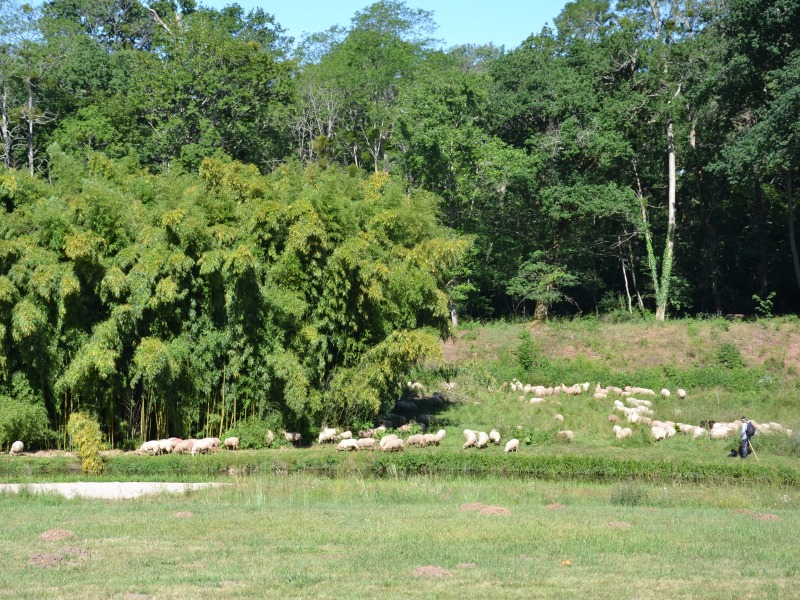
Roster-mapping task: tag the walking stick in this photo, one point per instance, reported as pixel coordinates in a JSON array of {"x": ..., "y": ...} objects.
[{"x": 753, "y": 450}]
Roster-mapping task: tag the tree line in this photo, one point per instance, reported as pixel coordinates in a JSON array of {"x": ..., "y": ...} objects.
[{"x": 189, "y": 184}]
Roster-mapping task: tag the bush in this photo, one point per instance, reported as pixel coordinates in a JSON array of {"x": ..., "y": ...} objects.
[
  {"x": 629, "y": 495},
  {"x": 28, "y": 422},
  {"x": 84, "y": 432},
  {"x": 252, "y": 432},
  {"x": 526, "y": 352},
  {"x": 728, "y": 356}
]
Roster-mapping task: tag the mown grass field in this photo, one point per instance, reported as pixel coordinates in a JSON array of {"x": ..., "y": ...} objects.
[{"x": 311, "y": 537}]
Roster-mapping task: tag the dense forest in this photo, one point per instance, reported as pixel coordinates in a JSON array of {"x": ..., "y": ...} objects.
[{"x": 207, "y": 222}]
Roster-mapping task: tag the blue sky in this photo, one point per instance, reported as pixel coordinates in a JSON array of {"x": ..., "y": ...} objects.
[{"x": 502, "y": 22}]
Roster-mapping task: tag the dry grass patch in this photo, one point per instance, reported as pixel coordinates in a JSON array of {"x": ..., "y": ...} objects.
[
  {"x": 432, "y": 572},
  {"x": 55, "y": 535}
]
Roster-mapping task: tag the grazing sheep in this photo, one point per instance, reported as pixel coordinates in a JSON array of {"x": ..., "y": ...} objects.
[
  {"x": 386, "y": 439},
  {"x": 483, "y": 440},
  {"x": 565, "y": 436},
  {"x": 183, "y": 446},
  {"x": 558, "y": 417},
  {"x": 380, "y": 429},
  {"x": 512, "y": 445},
  {"x": 699, "y": 432},
  {"x": 613, "y": 419},
  {"x": 232, "y": 443},
  {"x": 269, "y": 437},
  {"x": 366, "y": 443},
  {"x": 494, "y": 437},
  {"x": 347, "y": 444},
  {"x": 665, "y": 393},
  {"x": 681, "y": 393},
  {"x": 645, "y": 421},
  {"x": 416, "y": 440},
  {"x": 622, "y": 433},
  {"x": 472, "y": 439},
  {"x": 430, "y": 438},
  {"x": 328, "y": 434},
  {"x": 537, "y": 400},
  {"x": 16, "y": 448},
  {"x": 347, "y": 435},
  {"x": 585, "y": 386},
  {"x": 215, "y": 442},
  {"x": 394, "y": 445},
  {"x": 659, "y": 433},
  {"x": 292, "y": 436},
  {"x": 166, "y": 446},
  {"x": 366, "y": 433},
  {"x": 527, "y": 388},
  {"x": 151, "y": 446},
  {"x": 632, "y": 417},
  {"x": 203, "y": 446}
]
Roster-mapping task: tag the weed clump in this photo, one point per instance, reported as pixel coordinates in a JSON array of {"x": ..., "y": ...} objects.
[
  {"x": 629, "y": 495},
  {"x": 84, "y": 431}
]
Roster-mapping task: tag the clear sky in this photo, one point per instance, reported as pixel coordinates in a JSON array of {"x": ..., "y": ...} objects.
[{"x": 502, "y": 22}]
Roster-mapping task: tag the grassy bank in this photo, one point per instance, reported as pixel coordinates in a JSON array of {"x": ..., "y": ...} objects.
[{"x": 300, "y": 536}]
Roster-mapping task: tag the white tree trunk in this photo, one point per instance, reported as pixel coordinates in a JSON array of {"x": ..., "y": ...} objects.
[
  {"x": 4, "y": 126},
  {"x": 31, "y": 154},
  {"x": 662, "y": 295}
]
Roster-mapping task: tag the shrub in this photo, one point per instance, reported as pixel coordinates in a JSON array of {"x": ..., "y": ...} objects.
[
  {"x": 84, "y": 432},
  {"x": 252, "y": 432},
  {"x": 526, "y": 352},
  {"x": 20, "y": 420},
  {"x": 629, "y": 495},
  {"x": 728, "y": 356}
]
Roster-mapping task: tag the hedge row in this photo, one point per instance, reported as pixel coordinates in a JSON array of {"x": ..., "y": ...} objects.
[{"x": 549, "y": 467}]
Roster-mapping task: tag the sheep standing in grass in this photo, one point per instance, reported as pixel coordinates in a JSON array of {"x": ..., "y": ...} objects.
[
  {"x": 494, "y": 436},
  {"x": 393, "y": 445},
  {"x": 150, "y": 446},
  {"x": 665, "y": 393},
  {"x": 622, "y": 433},
  {"x": 232, "y": 443},
  {"x": 366, "y": 443},
  {"x": 512, "y": 445},
  {"x": 203, "y": 446},
  {"x": 165, "y": 446},
  {"x": 183, "y": 446},
  {"x": 435, "y": 438},
  {"x": 328, "y": 434},
  {"x": 559, "y": 417},
  {"x": 292, "y": 437},
  {"x": 347, "y": 444},
  {"x": 472, "y": 438},
  {"x": 659, "y": 433},
  {"x": 483, "y": 440},
  {"x": 416, "y": 440},
  {"x": 681, "y": 393},
  {"x": 565, "y": 436},
  {"x": 16, "y": 448},
  {"x": 386, "y": 439}
]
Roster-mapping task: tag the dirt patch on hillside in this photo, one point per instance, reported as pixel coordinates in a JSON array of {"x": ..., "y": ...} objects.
[
  {"x": 68, "y": 556},
  {"x": 471, "y": 506},
  {"x": 766, "y": 517},
  {"x": 183, "y": 515},
  {"x": 55, "y": 535},
  {"x": 432, "y": 572},
  {"x": 495, "y": 510}
]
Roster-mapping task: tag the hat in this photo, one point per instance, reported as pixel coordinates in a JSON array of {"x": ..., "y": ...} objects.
[{"x": 744, "y": 418}]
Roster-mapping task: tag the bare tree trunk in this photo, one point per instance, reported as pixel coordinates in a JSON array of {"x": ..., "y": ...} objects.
[
  {"x": 662, "y": 295},
  {"x": 30, "y": 129},
  {"x": 4, "y": 126},
  {"x": 792, "y": 238},
  {"x": 625, "y": 276},
  {"x": 761, "y": 234},
  {"x": 453, "y": 314}
]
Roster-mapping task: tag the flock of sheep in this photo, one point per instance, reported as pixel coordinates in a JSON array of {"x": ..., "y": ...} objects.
[{"x": 178, "y": 446}]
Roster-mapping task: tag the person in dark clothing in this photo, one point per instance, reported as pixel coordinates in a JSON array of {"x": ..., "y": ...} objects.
[{"x": 744, "y": 450}]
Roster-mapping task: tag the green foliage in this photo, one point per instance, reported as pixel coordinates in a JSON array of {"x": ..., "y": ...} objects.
[
  {"x": 22, "y": 420},
  {"x": 629, "y": 495},
  {"x": 253, "y": 432},
  {"x": 729, "y": 356},
  {"x": 527, "y": 354},
  {"x": 764, "y": 306},
  {"x": 84, "y": 432}
]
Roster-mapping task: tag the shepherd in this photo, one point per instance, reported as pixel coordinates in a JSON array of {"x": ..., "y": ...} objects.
[{"x": 748, "y": 431}]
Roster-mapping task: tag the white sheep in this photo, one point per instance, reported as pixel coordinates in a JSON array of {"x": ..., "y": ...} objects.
[
  {"x": 269, "y": 437},
  {"x": 665, "y": 393},
  {"x": 232, "y": 443},
  {"x": 203, "y": 446},
  {"x": 632, "y": 417},
  {"x": 347, "y": 444},
  {"x": 512, "y": 445},
  {"x": 645, "y": 421},
  {"x": 622, "y": 433},
  {"x": 165, "y": 445},
  {"x": 183, "y": 446},
  {"x": 681, "y": 393},
  {"x": 659, "y": 433},
  {"x": 483, "y": 440},
  {"x": 393, "y": 445},
  {"x": 386, "y": 439},
  {"x": 565, "y": 436},
  {"x": 472, "y": 439},
  {"x": 537, "y": 400},
  {"x": 292, "y": 436},
  {"x": 366, "y": 443},
  {"x": 699, "y": 432},
  {"x": 16, "y": 448},
  {"x": 150, "y": 446},
  {"x": 347, "y": 435},
  {"x": 328, "y": 434},
  {"x": 559, "y": 417},
  {"x": 416, "y": 440},
  {"x": 494, "y": 437}
]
